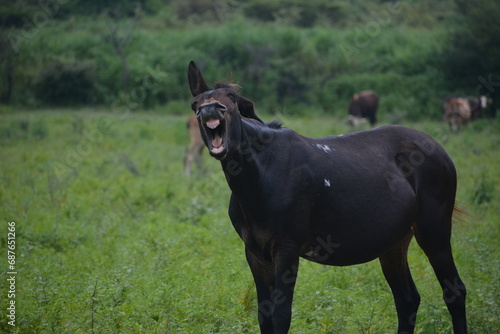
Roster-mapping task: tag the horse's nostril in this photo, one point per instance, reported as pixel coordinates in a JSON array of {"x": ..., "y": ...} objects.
[
  {"x": 214, "y": 106},
  {"x": 210, "y": 111}
]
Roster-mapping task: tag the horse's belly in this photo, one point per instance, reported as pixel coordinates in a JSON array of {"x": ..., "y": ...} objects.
[
  {"x": 332, "y": 253},
  {"x": 348, "y": 238}
]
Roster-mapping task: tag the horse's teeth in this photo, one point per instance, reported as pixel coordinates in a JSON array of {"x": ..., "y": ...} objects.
[
  {"x": 217, "y": 150},
  {"x": 213, "y": 123}
]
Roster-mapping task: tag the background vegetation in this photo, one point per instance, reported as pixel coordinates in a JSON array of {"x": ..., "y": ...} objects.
[
  {"x": 112, "y": 238},
  {"x": 287, "y": 54}
]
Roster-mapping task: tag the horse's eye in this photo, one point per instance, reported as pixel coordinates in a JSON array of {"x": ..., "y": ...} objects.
[
  {"x": 193, "y": 106},
  {"x": 232, "y": 96}
]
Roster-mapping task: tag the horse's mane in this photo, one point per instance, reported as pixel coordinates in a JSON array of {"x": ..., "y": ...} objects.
[
  {"x": 229, "y": 85},
  {"x": 274, "y": 124}
]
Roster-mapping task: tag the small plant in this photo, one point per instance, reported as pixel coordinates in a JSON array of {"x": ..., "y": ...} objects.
[
  {"x": 39, "y": 129},
  {"x": 248, "y": 296},
  {"x": 483, "y": 191}
]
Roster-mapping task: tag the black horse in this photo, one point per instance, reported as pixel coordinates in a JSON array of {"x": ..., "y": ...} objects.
[{"x": 339, "y": 201}]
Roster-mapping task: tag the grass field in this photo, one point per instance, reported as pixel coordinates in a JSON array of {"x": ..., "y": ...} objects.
[{"x": 111, "y": 237}]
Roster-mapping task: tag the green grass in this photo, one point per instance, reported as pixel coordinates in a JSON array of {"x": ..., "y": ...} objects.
[{"x": 113, "y": 238}]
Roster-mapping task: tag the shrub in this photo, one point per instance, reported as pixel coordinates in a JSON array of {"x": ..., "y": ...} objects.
[
  {"x": 12, "y": 16},
  {"x": 67, "y": 83},
  {"x": 483, "y": 191},
  {"x": 299, "y": 13}
]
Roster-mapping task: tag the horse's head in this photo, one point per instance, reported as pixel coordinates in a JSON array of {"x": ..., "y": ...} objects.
[{"x": 218, "y": 111}]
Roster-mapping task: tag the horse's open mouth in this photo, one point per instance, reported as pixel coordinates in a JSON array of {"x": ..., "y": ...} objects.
[{"x": 215, "y": 129}]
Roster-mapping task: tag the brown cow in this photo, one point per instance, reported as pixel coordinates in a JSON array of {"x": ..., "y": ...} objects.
[
  {"x": 193, "y": 153},
  {"x": 363, "y": 105},
  {"x": 457, "y": 112}
]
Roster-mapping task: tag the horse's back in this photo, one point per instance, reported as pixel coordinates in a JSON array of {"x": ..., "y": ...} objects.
[
  {"x": 412, "y": 151},
  {"x": 370, "y": 185}
]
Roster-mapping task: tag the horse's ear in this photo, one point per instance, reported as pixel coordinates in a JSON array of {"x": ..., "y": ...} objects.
[
  {"x": 245, "y": 106},
  {"x": 197, "y": 84}
]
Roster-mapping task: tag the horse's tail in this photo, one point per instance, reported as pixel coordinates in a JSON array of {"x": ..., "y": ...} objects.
[{"x": 460, "y": 216}]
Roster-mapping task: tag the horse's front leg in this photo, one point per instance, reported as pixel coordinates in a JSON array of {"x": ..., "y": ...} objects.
[
  {"x": 274, "y": 281},
  {"x": 263, "y": 276},
  {"x": 286, "y": 269}
]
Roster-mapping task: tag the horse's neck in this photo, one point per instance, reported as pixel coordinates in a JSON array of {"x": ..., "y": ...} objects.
[{"x": 244, "y": 169}]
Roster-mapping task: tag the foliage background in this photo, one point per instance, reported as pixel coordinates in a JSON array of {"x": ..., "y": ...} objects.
[
  {"x": 112, "y": 238},
  {"x": 287, "y": 54}
]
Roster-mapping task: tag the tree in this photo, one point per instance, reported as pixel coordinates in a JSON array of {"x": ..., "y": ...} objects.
[
  {"x": 472, "y": 59},
  {"x": 7, "y": 61},
  {"x": 119, "y": 40}
]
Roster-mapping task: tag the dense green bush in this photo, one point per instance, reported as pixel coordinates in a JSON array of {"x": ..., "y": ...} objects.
[
  {"x": 275, "y": 65},
  {"x": 67, "y": 83},
  {"x": 473, "y": 59},
  {"x": 296, "y": 12},
  {"x": 12, "y": 16},
  {"x": 303, "y": 55}
]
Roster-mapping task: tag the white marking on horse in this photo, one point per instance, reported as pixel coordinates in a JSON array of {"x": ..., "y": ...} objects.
[
  {"x": 327, "y": 183},
  {"x": 325, "y": 148}
]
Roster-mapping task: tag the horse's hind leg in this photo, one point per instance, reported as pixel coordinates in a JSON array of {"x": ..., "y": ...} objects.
[
  {"x": 433, "y": 233},
  {"x": 397, "y": 274}
]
